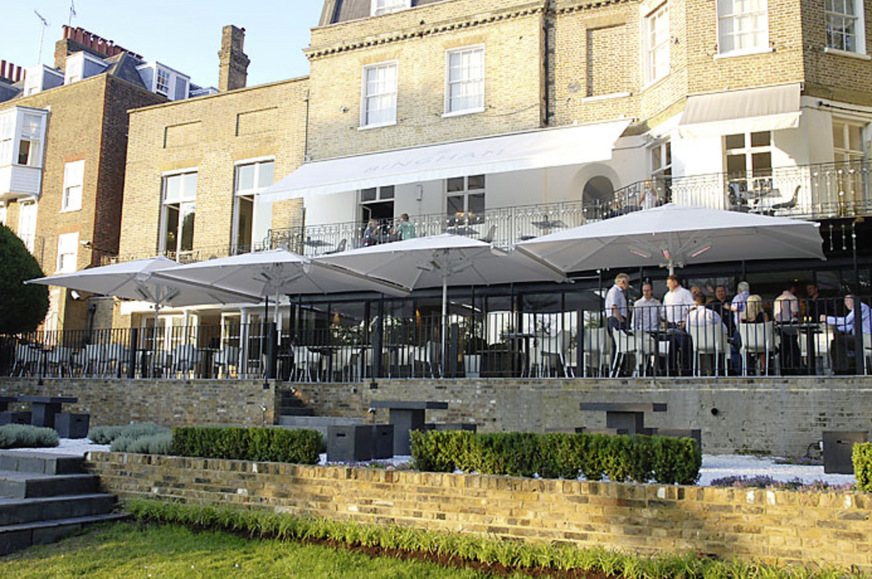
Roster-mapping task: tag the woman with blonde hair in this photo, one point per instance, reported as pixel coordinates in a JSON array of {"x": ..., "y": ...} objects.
[{"x": 754, "y": 312}]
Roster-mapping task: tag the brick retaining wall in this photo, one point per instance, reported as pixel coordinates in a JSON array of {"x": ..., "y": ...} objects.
[{"x": 774, "y": 526}]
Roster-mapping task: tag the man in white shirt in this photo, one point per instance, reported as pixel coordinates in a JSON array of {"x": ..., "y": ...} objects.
[
  {"x": 676, "y": 304},
  {"x": 616, "y": 303},
  {"x": 708, "y": 319},
  {"x": 843, "y": 346},
  {"x": 786, "y": 311},
  {"x": 786, "y": 307},
  {"x": 647, "y": 310}
]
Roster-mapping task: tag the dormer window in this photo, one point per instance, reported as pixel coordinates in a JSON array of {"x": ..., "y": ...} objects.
[
  {"x": 162, "y": 82},
  {"x": 380, "y": 7},
  {"x": 82, "y": 65}
]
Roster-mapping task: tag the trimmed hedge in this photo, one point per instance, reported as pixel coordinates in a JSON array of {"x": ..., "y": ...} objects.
[
  {"x": 107, "y": 434},
  {"x": 862, "y": 459},
  {"x": 258, "y": 444},
  {"x": 160, "y": 443},
  {"x": 640, "y": 459},
  {"x": 27, "y": 436}
]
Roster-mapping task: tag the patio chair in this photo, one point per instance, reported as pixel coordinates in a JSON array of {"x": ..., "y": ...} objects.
[
  {"x": 709, "y": 341},
  {"x": 58, "y": 359},
  {"x": 26, "y": 360},
  {"x": 597, "y": 350},
  {"x": 625, "y": 345},
  {"x": 305, "y": 361},
  {"x": 426, "y": 356},
  {"x": 651, "y": 350},
  {"x": 224, "y": 359},
  {"x": 757, "y": 339},
  {"x": 186, "y": 358},
  {"x": 94, "y": 359},
  {"x": 117, "y": 357},
  {"x": 340, "y": 247}
]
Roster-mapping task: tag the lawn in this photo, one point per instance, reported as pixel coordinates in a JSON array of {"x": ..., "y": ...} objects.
[{"x": 166, "y": 551}]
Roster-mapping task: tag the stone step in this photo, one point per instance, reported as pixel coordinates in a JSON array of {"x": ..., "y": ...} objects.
[
  {"x": 20, "y": 536},
  {"x": 294, "y": 411},
  {"x": 319, "y": 423},
  {"x": 23, "y": 485},
  {"x": 41, "y": 462},
  {"x": 19, "y": 511}
]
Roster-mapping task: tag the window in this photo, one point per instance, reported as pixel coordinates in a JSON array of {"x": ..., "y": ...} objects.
[
  {"x": 844, "y": 25},
  {"x": 179, "y": 204},
  {"x": 464, "y": 90},
  {"x": 253, "y": 217},
  {"x": 28, "y": 144},
  {"x": 2, "y": 214},
  {"x": 162, "y": 82},
  {"x": 74, "y": 176},
  {"x": 27, "y": 224},
  {"x": 657, "y": 44},
  {"x": 387, "y": 6},
  {"x": 847, "y": 141},
  {"x": 379, "y": 99},
  {"x": 68, "y": 250},
  {"x": 749, "y": 161},
  {"x": 661, "y": 173},
  {"x": 465, "y": 199},
  {"x": 743, "y": 26}
]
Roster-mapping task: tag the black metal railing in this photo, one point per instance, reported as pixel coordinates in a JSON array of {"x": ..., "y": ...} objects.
[{"x": 794, "y": 337}]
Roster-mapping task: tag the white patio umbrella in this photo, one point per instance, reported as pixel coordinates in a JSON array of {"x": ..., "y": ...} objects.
[
  {"x": 674, "y": 236},
  {"x": 141, "y": 280},
  {"x": 443, "y": 260}
]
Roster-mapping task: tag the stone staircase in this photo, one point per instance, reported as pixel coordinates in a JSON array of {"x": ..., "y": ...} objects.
[
  {"x": 45, "y": 496},
  {"x": 295, "y": 414}
]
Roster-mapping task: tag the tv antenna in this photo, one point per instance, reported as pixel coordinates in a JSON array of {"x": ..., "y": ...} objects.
[
  {"x": 41, "y": 35},
  {"x": 72, "y": 13}
]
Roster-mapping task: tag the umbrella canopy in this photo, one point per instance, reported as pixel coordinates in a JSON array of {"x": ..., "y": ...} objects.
[
  {"x": 442, "y": 260},
  {"x": 141, "y": 280},
  {"x": 277, "y": 271},
  {"x": 675, "y": 236}
]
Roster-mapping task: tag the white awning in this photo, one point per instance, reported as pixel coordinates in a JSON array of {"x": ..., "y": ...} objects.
[
  {"x": 515, "y": 152},
  {"x": 741, "y": 111}
]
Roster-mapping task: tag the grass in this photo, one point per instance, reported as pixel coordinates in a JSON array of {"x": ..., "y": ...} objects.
[{"x": 169, "y": 551}]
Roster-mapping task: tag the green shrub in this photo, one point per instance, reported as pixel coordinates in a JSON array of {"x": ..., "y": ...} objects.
[
  {"x": 621, "y": 458},
  {"x": 106, "y": 434},
  {"x": 260, "y": 444},
  {"x": 862, "y": 458},
  {"x": 26, "y": 436},
  {"x": 160, "y": 443}
]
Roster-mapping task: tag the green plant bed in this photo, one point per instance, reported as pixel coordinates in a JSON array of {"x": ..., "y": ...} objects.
[
  {"x": 259, "y": 444},
  {"x": 107, "y": 434},
  {"x": 26, "y": 436},
  {"x": 537, "y": 559}
]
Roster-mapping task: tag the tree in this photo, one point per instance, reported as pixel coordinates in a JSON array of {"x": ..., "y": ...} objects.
[{"x": 23, "y": 306}]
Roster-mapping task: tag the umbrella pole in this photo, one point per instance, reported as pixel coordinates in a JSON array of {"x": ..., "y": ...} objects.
[{"x": 444, "y": 317}]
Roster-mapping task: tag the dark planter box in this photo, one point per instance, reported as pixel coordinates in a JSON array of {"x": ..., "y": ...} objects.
[
  {"x": 72, "y": 425},
  {"x": 838, "y": 447},
  {"x": 349, "y": 443},
  {"x": 382, "y": 441}
]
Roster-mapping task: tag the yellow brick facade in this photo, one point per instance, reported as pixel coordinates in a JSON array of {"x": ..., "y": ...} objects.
[{"x": 210, "y": 135}]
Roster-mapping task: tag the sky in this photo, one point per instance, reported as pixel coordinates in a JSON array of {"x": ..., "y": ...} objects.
[{"x": 182, "y": 34}]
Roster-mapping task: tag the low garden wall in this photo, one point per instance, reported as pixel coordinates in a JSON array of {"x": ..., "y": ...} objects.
[
  {"x": 167, "y": 402},
  {"x": 829, "y": 528}
]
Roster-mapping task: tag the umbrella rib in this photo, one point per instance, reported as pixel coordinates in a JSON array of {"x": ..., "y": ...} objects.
[{"x": 205, "y": 286}]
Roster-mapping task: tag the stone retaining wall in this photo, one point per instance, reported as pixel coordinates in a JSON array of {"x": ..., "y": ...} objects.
[{"x": 774, "y": 526}]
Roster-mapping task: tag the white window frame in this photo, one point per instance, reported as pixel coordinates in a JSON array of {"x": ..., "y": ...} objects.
[
  {"x": 857, "y": 43},
  {"x": 159, "y": 87},
  {"x": 185, "y": 205},
  {"x": 385, "y": 90},
  {"x": 468, "y": 79},
  {"x": 261, "y": 212},
  {"x": 657, "y": 43},
  {"x": 27, "y": 214},
  {"x": 741, "y": 27},
  {"x": 842, "y": 151},
  {"x": 379, "y": 7},
  {"x": 68, "y": 252},
  {"x": 466, "y": 216},
  {"x": 74, "y": 180}
]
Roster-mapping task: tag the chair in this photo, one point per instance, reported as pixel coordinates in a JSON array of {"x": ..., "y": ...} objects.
[
  {"x": 651, "y": 349},
  {"x": 224, "y": 359},
  {"x": 118, "y": 357},
  {"x": 426, "y": 356},
  {"x": 339, "y": 248},
  {"x": 349, "y": 359},
  {"x": 59, "y": 358},
  {"x": 489, "y": 238},
  {"x": 625, "y": 345},
  {"x": 185, "y": 359},
  {"x": 549, "y": 355},
  {"x": 25, "y": 360},
  {"x": 709, "y": 341},
  {"x": 305, "y": 360},
  {"x": 94, "y": 359},
  {"x": 597, "y": 349},
  {"x": 757, "y": 339}
]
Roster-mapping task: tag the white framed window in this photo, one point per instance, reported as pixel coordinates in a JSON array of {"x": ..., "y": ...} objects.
[
  {"x": 743, "y": 26},
  {"x": 848, "y": 141},
  {"x": 465, "y": 199},
  {"x": 379, "y": 95},
  {"x": 464, "y": 80},
  {"x": 657, "y": 44},
  {"x": 27, "y": 223},
  {"x": 252, "y": 216},
  {"x": 177, "y": 214},
  {"x": 162, "y": 81},
  {"x": 74, "y": 177},
  {"x": 748, "y": 159},
  {"x": 30, "y": 140},
  {"x": 843, "y": 20},
  {"x": 379, "y": 7},
  {"x": 68, "y": 251}
]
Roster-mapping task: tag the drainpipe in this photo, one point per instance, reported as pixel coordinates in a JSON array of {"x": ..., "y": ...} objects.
[{"x": 547, "y": 36}]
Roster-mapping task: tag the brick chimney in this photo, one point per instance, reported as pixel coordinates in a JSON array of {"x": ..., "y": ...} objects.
[
  {"x": 10, "y": 73},
  {"x": 78, "y": 39},
  {"x": 233, "y": 63}
]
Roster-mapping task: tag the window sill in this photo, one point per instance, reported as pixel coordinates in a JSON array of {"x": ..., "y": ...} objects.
[
  {"x": 750, "y": 52},
  {"x": 72, "y": 210},
  {"x": 462, "y": 113},
  {"x": 848, "y": 53},
  {"x": 656, "y": 81},
  {"x": 378, "y": 126},
  {"x": 605, "y": 97}
]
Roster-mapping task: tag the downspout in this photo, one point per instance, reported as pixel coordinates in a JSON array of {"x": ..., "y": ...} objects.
[
  {"x": 547, "y": 73},
  {"x": 306, "y": 129}
]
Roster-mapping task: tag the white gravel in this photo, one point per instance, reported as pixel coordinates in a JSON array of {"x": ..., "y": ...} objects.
[{"x": 713, "y": 466}]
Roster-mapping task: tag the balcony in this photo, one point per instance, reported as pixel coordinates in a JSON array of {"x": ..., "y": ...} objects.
[
  {"x": 812, "y": 192},
  {"x": 18, "y": 181}
]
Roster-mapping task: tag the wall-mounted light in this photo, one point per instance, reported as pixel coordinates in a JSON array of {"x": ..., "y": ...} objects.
[
  {"x": 75, "y": 295},
  {"x": 343, "y": 109},
  {"x": 419, "y": 192}
]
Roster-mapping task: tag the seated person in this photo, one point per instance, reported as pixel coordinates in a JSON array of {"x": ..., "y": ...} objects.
[
  {"x": 371, "y": 234},
  {"x": 647, "y": 310},
  {"x": 703, "y": 317},
  {"x": 753, "y": 313},
  {"x": 843, "y": 346}
]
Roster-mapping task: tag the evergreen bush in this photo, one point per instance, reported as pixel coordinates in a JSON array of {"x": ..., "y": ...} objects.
[
  {"x": 258, "y": 444},
  {"x": 24, "y": 306},
  {"x": 862, "y": 458},
  {"x": 27, "y": 436},
  {"x": 106, "y": 434}
]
